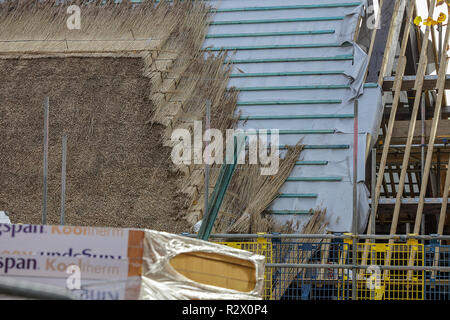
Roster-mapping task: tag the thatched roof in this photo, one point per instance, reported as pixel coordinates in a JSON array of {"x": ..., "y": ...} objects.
[{"x": 167, "y": 39}]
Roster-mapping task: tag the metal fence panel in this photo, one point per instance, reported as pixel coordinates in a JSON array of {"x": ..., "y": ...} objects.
[
  {"x": 374, "y": 284},
  {"x": 311, "y": 283},
  {"x": 335, "y": 283},
  {"x": 437, "y": 282}
]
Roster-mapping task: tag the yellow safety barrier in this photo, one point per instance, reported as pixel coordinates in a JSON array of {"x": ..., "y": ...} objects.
[
  {"x": 262, "y": 247},
  {"x": 374, "y": 284}
]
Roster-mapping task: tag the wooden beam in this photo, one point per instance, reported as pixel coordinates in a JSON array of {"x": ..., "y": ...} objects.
[
  {"x": 401, "y": 65},
  {"x": 410, "y": 184},
  {"x": 398, "y": 23},
  {"x": 421, "y": 73},
  {"x": 429, "y": 83},
  {"x": 391, "y": 42},
  {"x": 372, "y": 39},
  {"x": 404, "y": 113},
  {"x": 388, "y": 135},
  {"x": 379, "y": 38},
  {"x": 391, "y": 179},
  {"x": 435, "y": 54},
  {"x": 437, "y": 111},
  {"x": 397, "y": 157},
  {"x": 398, "y": 84},
  {"x": 418, "y": 86},
  {"x": 443, "y": 213},
  {"x": 401, "y": 129}
]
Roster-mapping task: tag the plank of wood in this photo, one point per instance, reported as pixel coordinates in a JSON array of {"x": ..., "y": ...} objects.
[
  {"x": 435, "y": 55},
  {"x": 418, "y": 86},
  {"x": 429, "y": 157},
  {"x": 324, "y": 253},
  {"x": 391, "y": 180},
  {"x": 429, "y": 83},
  {"x": 410, "y": 184},
  {"x": 398, "y": 84},
  {"x": 388, "y": 136},
  {"x": 436, "y": 118},
  {"x": 401, "y": 129},
  {"x": 372, "y": 41},
  {"x": 390, "y": 45},
  {"x": 386, "y": 194},
  {"x": 399, "y": 15}
]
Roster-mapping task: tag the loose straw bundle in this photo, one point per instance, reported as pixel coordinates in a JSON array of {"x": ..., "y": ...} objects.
[{"x": 251, "y": 193}]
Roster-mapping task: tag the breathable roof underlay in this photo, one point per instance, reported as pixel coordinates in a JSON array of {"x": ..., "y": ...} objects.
[{"x": 297, "y": 68}]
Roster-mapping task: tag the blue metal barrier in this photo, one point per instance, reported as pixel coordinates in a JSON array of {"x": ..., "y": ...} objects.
[
  {"x": 311, "y": 283},
  {"x": 437, "y": 283}
]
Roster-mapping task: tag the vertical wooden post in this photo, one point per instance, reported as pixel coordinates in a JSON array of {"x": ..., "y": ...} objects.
[
  {"x": 389, "y": 51},
  {"x": 433, "y": 132},
  {"x": 397, "y": 90},
  {"x": 435, "y": 123},
  {"x": 412, "y": 124},
  {"x": 443, "y": 212}
]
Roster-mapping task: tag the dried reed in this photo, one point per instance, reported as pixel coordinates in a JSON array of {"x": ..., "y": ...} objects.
[{"x": 168, "y": 36}]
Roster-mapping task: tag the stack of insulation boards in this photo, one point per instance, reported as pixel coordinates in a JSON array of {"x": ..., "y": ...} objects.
[{"x": 119, "y": 264}]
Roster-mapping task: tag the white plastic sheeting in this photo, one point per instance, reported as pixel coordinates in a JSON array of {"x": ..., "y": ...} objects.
[
  {"x": 4, "y": 217},
  {"x": 98, "y": 263},
  {"x": 160, "y": 281},
  {"x": 344, "y": 62}
]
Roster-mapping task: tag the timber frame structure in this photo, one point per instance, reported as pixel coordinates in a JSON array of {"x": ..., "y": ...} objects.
[{"x": 411, "y": 158}]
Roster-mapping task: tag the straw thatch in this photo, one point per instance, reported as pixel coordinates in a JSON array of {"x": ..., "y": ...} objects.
[
  {"x": 180, "y": 80},
  {"x": 167, "y": 37},
  {"x": 250, "y": 194},
  {"x": 41, "y": 26}
]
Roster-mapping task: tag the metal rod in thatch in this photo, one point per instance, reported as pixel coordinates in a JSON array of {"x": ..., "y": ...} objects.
[
  {"x": 208, "y": 123},
  {"x": 44, "y": 193},
  {"x": 63, "y": 177},
  {"x": 222, "y": 183}
]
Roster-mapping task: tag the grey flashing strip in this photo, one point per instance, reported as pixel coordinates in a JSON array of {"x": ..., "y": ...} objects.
[
  {"x": 280, "y": 46},
  {"x": 298, "y": 117},
  {"x": 312, "y": 87},
  {"x": 293, "y": 7},
  {"x": 290, "y": 212},
  {"x": 311, "y": 163},
  {"x": 297, "y": 195},
  {"x": 286, "y": 74},
  {"x": 287, "y": 102},
  {"x": 309, "y": 19},
  {"x": 344, "y": 57},
  {"x": 269, "y": 34},
  {"x": 313, "y": 179}
]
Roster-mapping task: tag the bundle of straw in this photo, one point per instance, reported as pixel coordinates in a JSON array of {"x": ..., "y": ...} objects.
[
  {"x": 30, "y": 26},
  {"x": 251, "y": 193}
]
